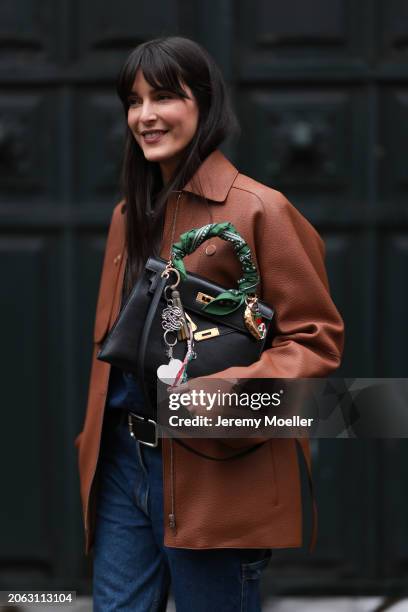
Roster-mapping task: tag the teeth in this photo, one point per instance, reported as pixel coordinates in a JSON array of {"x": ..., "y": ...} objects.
[{"x": 152, "y": 134}]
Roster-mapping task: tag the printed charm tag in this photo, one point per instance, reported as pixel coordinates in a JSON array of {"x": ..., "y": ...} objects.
[{"x": 253, "y": 319}]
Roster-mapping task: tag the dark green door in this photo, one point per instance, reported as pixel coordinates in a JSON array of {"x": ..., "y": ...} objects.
[{"x": 321, "y": 91}]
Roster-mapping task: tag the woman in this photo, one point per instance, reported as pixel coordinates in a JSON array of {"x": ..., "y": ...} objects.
[{"x": 161, "y": 515}]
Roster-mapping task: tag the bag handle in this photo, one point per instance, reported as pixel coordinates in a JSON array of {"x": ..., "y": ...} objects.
[{"x": 229, "y": 300}]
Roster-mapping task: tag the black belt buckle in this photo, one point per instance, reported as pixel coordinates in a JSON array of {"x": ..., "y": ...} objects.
[{"x": 143, "y": 429}]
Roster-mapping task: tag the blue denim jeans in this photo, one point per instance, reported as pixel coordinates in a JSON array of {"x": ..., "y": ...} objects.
[{"x": 133, "y": 570}]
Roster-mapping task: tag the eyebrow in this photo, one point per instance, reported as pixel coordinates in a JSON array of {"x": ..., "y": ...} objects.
[{"x": 152, "y": 89}]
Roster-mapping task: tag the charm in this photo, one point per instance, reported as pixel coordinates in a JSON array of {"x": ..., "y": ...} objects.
[
  {"x": 182, "y": 374},
  {"x": 184, "y": 330},
  {"x": 175, "y": 321},
  {"x": 169, "y": 345},
  {"x": 190, "y": 322},
  {"x": 167, "y": 372},
  {"x": 253, "y": 319},
  {"x": 172, "y": 318}
]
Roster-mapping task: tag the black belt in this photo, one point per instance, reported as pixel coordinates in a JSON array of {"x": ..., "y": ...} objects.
[{"x": 141, "y": 427}]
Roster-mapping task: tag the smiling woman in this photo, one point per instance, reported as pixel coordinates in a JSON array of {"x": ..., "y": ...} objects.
[
  {"x": 162, "y": 123},
  {"x": 155, "y": 512},
  {"x": 172, "y": 85}
]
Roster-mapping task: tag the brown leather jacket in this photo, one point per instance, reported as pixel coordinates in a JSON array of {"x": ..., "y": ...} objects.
[{"x": 255, "y": 501}]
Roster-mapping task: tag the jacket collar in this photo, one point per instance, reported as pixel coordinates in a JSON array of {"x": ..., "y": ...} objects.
[{"x": 215, "y": 175}]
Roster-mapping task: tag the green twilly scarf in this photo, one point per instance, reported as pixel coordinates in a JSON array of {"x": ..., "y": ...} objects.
[{"x": 232, "y": 299}]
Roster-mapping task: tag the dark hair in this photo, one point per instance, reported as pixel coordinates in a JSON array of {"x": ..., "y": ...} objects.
[{"x": 167, "y": 63}]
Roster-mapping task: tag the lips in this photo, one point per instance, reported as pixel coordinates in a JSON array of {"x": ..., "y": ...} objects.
[{"x": 154, "y": 136}]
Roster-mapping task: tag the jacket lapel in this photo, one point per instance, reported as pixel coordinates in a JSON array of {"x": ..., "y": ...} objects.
[
  {"x": 209, "y": 186},
  {"x": 213, "y": 179}
]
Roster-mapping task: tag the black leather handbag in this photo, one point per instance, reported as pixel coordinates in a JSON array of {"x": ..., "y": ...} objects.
[
  {"x": 221, "y": 340},
  {"x": 222, "y": 336}
]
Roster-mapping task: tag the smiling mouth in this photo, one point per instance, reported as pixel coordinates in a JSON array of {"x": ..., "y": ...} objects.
[{"x": 155, "y": 136}]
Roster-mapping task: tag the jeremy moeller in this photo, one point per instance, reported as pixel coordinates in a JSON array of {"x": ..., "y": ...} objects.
[{"x": 266, "y": 421}]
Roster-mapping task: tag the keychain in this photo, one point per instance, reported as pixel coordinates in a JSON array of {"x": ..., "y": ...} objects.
[{"x": 174, "y": 321}]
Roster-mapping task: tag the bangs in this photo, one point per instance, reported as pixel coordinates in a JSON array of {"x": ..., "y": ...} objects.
[{"x": 160, "y": 70}]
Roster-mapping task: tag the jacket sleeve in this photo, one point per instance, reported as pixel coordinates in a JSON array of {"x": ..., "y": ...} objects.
[{"x": 309, "y": 331}]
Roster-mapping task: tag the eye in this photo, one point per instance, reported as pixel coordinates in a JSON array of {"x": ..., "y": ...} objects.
[
  {"x": 133, "y": 101},
  {"x": 164, "y": 96}
]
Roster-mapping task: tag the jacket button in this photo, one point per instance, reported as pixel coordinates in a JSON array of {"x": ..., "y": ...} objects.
[{"x": 210, "y": 249}]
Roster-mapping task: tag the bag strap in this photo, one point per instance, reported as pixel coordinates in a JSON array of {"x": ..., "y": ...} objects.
[
  {"x": 230, "y": 457},
  {"x": 161, "y": 283}
]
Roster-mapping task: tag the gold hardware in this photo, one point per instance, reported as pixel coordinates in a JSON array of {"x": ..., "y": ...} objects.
[
  {"x": 203, "y": 298},
  {"x": 184, "y": 332},
  {"x": 190, "y": 320},
  {"x": 166, "y": 273},
  {"x": 206, "y": 333}
]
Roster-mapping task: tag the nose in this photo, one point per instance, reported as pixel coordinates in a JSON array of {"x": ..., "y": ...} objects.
[{"x": 147, "y": 112}]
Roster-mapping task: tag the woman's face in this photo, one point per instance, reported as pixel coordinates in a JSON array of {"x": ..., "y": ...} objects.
[{"x": 162, "y": 123}]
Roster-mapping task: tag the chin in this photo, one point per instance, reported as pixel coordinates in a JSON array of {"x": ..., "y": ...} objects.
[
  {"x": 159, "y": 156},
  {"x": 153, "y": 156},
  {"x": 156, "y": 154}
]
